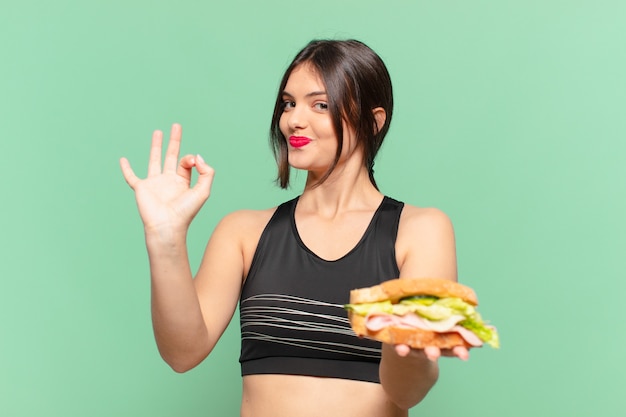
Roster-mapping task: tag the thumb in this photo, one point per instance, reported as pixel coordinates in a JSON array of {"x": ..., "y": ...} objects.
[{"x": 129, "y": 174}]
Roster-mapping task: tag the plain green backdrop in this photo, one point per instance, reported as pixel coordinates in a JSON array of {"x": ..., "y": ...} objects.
[{"x": 510, "y": 117}]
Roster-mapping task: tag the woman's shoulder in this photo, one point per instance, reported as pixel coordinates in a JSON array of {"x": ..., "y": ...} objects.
[
  {"x": 247, "y": 219},
  {"x": 425, "y": 244},
  {"x": 417, "y": 223},
  {"x": 419, "y": 216},
  {"x": 244, "y": 228}
]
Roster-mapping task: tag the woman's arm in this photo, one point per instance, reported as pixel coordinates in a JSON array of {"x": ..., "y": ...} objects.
[
  {"x": 190, "y": 315},
  {"x": 425, "y": 248},
  {"x": 167, "y": 204}
]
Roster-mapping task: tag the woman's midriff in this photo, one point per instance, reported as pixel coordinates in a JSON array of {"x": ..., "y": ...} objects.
[{"x": 305, "y": 396}]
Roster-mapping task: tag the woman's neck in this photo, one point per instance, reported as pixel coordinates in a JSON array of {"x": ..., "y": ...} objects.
[{"x": 342, "y": 190}]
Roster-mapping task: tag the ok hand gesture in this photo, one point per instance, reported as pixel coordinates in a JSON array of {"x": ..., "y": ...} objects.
[{"x": 165, "y": 198}]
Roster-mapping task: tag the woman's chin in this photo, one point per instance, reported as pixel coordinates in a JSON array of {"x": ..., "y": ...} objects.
[{"x": 304, "y": 164}]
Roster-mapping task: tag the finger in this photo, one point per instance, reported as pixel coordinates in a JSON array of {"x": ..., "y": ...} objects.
[
  {"x": 461, "y": 352},
  {"x": 173, "y": 149},
  {"x": 432, "y": 352},
  {"x": 187, "y": 162},
  {"x": 129, "y": 174},
  {"x": 205, "y": 177},
  {"x": 402, "y": 350},
  {"x": 154, "y": 164}
]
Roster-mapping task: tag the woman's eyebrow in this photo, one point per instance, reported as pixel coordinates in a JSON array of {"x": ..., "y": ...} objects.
[{"x": 311, "y": 94}]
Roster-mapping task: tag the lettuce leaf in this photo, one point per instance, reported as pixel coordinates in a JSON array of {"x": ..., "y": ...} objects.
[
  {"x": 487, "y": 334},
  {"x": 419, "y": 299},
  {"x": 433, "y": 308},
  {"x": 368, "y": 308}
]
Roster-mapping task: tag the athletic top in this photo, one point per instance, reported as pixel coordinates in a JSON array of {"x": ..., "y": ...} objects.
[{"x": 291, "y": 306}]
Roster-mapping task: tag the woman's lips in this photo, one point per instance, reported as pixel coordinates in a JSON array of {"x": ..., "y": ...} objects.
[{"x": 298, "y": 141}]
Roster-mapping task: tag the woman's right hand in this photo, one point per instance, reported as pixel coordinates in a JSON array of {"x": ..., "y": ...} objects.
[{"x": 165, "y": 198}]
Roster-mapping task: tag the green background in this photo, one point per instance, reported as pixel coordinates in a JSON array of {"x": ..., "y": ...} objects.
[{"x": 510, "y": 116}]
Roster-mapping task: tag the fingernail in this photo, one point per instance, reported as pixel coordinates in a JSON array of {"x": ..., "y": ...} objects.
[{"x": 200, "y": 159}]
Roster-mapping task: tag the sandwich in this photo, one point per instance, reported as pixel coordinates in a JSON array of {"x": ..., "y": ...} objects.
[{"x": 420, "y": 312}]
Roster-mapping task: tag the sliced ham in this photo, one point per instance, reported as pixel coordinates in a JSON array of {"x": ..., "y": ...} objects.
[
  {"x": 469, "y": 336},
  {"x": 378, "y": 321}
]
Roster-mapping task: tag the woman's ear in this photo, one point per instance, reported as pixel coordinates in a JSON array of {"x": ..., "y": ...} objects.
[{"x": 380, "y": 116}]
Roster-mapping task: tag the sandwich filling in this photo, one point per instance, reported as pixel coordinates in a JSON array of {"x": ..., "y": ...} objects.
[{"x": 441, "y": 315}]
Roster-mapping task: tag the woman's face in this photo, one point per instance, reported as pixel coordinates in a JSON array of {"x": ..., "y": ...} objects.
[{"x": 307, "y": 124}]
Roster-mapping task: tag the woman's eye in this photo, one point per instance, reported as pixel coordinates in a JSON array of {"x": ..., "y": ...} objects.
[
  {"x": 288, "y": 104},
  {"x": 321, "y": 106}
]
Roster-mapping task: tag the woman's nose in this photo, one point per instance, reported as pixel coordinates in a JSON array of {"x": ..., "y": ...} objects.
[{"x": 296, "y": 118}]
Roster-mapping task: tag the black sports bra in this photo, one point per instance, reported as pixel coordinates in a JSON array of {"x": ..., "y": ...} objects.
[{"x": 291, "y": 306}]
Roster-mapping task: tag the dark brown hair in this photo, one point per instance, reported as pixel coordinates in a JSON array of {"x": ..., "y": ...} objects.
[{"x": 356, "y": 81}]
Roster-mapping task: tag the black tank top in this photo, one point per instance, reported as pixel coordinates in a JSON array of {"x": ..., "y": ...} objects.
[{"x": 291, "y": 306}]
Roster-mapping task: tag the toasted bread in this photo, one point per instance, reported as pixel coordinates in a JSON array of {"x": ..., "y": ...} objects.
[{"x": 396, "y": 289}]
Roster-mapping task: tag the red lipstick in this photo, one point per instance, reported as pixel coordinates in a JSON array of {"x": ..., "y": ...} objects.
[{"x": 298, "y": 141}]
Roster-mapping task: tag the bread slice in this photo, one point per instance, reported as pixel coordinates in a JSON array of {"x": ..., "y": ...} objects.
[
  {"x": 415, "y": 338},
  {"x": 396, "y": 289}
]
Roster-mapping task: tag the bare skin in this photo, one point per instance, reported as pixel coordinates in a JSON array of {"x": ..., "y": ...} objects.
[
  {"x": 191, "y": 313},
  {"x": 302, "y": 396}
]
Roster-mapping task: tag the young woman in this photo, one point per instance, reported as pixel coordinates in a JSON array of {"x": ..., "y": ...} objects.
[{"x": 291, "y": 267}]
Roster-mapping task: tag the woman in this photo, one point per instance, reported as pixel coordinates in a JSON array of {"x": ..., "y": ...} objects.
[{"x": 291, "y": 267}]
